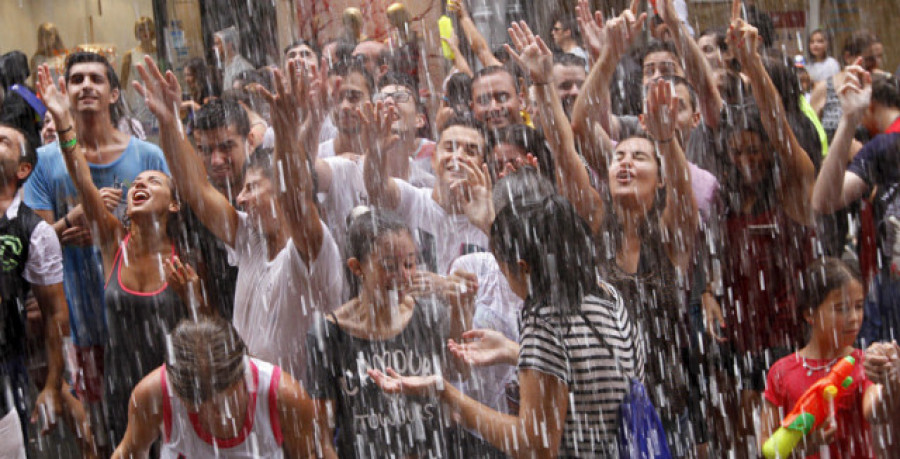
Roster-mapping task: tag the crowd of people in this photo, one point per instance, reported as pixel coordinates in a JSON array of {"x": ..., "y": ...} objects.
[{"x": 324, "y": 258}]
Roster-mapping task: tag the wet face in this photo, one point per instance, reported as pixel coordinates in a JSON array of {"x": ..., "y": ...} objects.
[
  {"x": 839, "y": 317},
  {"x": 569, "y": 80},
  {"x": 221, "y": 412},
  {"x": 150, "y": 194},
  {"x": 688, "y": 117},
  {"x": 711, "y": 51},
  {"x": 351, "y": 96},
  {"x": 495, "y": 101},
  {"x": 507, "y": 157},
  {"x": 389, "y": 267},
  {"x": 660, "y": 64},
  {"x": 748, "y": 152},
  {"x": 515, "y": 276},
  {"x": 11, "y": 169},
  {"x": 219, "y": 46},
  {"x": 406, "y": 118},
  {"x": 456, "y": 142},
  {"x": 224, "y": 152},
  {"x": 89, "y": 88},
  {"x": 304, "y": 53},
  {"x": 257, "y": 198},
  {"x": 818, "y": 46},
  {"x": 634, "y": 173}
]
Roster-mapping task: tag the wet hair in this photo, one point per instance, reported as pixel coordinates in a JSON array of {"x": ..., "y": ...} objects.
[
  {"x": 464, "y": 120},
  {"x": 495, "y": 69},
  {"x": 886, "y": 90},
  {"x": 681, "y": 81},
  {"x": 368, "y": 227},
  {"x": 820, "y": 278},
  {"x": 301, "y": 42},
  {"x": 825, "y": 35},
  {"x": 858, "y": 42},
  {"x": 458, "y": 90},
  {"x": 206, "y": 357},
  {"x": 525, "y": 184},
  {"x": 29, "y": 145},
  {"x": 219, "y": 113},
  {"x": 568, "y": 60},
  {"x": 400, "y": 79},
  {"x": 787, "y": 82},
  {"x": 527, "y": 139},
  {"x": 719, "y": 34},
  {"x": 763, "y": 23},
  {"x": 262, "y": 160},
  {"x": 659, "y": 46},
  {"x": 230, "y": 36},
  {"x": 85, "y": 57},
  {"x": 345, "y": 67},
  {"x": 556, "y": 244}
]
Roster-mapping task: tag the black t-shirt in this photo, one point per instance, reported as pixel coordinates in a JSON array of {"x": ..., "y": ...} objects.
[
  {"x": 370, "y": 423},
  {"x": 219, "y": 278},
  {"x": 878, "y": 164}
]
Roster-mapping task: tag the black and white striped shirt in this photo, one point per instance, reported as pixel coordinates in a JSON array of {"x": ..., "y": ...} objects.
[{"x": 566, "y": 347}]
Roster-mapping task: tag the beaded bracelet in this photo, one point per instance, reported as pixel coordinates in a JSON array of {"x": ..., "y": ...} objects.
[{"x": 69, "y": 144}]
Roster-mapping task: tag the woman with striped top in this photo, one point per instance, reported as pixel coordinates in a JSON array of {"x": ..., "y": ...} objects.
[{"x": 577, "y": 344}]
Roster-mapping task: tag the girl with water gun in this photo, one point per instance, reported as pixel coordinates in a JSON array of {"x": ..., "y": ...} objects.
[{"x": 831, "y": 305}]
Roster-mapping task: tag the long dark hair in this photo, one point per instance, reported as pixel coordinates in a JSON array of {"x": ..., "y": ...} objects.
[
  {"x": 556, "y": 244},
  {"x": 366, "y": 227}
]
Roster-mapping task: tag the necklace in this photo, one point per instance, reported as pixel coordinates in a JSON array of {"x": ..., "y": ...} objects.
[{"x": 811, "y": 368}]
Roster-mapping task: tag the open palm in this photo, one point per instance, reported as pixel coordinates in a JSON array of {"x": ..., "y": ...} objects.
[
  {"x": 531, "y": 53},
  {"x": 162, "y": 93}
]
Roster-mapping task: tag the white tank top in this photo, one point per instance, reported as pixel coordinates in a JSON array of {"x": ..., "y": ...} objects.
[{"x": 261, "y": 437}]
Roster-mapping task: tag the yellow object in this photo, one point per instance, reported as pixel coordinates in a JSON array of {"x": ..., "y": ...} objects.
[
  {"x": 781, "y": 443},
  {"x": 830, "y": 392},
  {"x": 445, "y": 25}
]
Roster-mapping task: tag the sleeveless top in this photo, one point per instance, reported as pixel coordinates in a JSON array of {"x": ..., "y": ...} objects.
[
  {"x": 831, "y": 111},
  {"x": 138, "y": 323},
  {"x": 261, "y": 434},
  {"x": 15, "y": 241}
]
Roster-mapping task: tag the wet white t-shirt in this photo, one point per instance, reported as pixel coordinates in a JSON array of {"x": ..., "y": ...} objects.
[
  {"x": 441, "y": 237},
  {"x": 496, "y": 308},
  {"x": 276, "y": 301}
]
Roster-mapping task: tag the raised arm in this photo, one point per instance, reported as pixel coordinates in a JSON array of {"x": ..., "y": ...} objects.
[
  {"x": 593, "y": 106},
  {"x": 382, "y": 189},
  {"x": 477, "y": 42},
  {"x": 163, "y": 96},
  {"x": 297, "y": 193},
  {"x": 680, "y": 218},
  {"x": 572, "y": 177},
  {"x": 56, "y": 99},
  {"x": 836, "y": 188},
  {"x": 797, "y": 170},
  {"x": 696, "y": 68}
]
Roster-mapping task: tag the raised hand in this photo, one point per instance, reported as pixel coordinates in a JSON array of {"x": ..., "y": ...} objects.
[
  {"x": 622, "y": 30},
  {"x": 56, "y": 98},
  {"x": 459, "y": 7},
  {"x": 476, "y": 194},
  {"x": 161, "y": 93},
  {"x": 530, "y": 53},
  {"x": 287, "y": 102},
  {"x": 485, "y": 348},
  {"x": 416, "y": 386},
  {"x": 593, "y": 29},
  {"x": 662, "y": 111},
  {"x": 182, "y": 278},
  {"x": 111, "y": 197},
  {"x": 376, "y": 120},
  {"x": 458, "y": 289},
  {"x": 742, "y": 37},
  {"x": 882, "y": 363},
  {"x": 856, "y": 92}
]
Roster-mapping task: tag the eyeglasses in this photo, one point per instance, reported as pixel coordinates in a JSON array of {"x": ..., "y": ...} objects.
[
  {"x": 500, "y": 97},
  {"x": 558, "y": 29},
  {"x": 399, "y": 96}
]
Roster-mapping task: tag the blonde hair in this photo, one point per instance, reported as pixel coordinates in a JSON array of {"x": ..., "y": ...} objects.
[
  {"x": 145, "y": 21},
  {"x": 49, "y": 42}
]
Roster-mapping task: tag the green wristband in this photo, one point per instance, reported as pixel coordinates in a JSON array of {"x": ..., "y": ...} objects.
[{"x": 69, "y": 144}]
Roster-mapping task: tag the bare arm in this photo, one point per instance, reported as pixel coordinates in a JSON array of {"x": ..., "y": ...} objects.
[
  {"x": 51, "y": 300},
  {"x": 797, "y": 171},
  {"x": 476, "y": 41},
  {"x": 835, "y": 188},
  {"x": 299, "y": 418},
  {"x": 144, "y": 418},
  {"x": 163, "y": 95},
  {"x": 680, "y": 218},
  {"x": 696, "y": 68},
  {"x": 817, "y": 97},
  {"x": 571, "y": 175},
  {"x": 297, "y": 196}
]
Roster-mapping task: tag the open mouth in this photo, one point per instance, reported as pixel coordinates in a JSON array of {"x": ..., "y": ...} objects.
[
  {"x": 139, "y": 197},
  {"x": 624, "y": 176}
]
